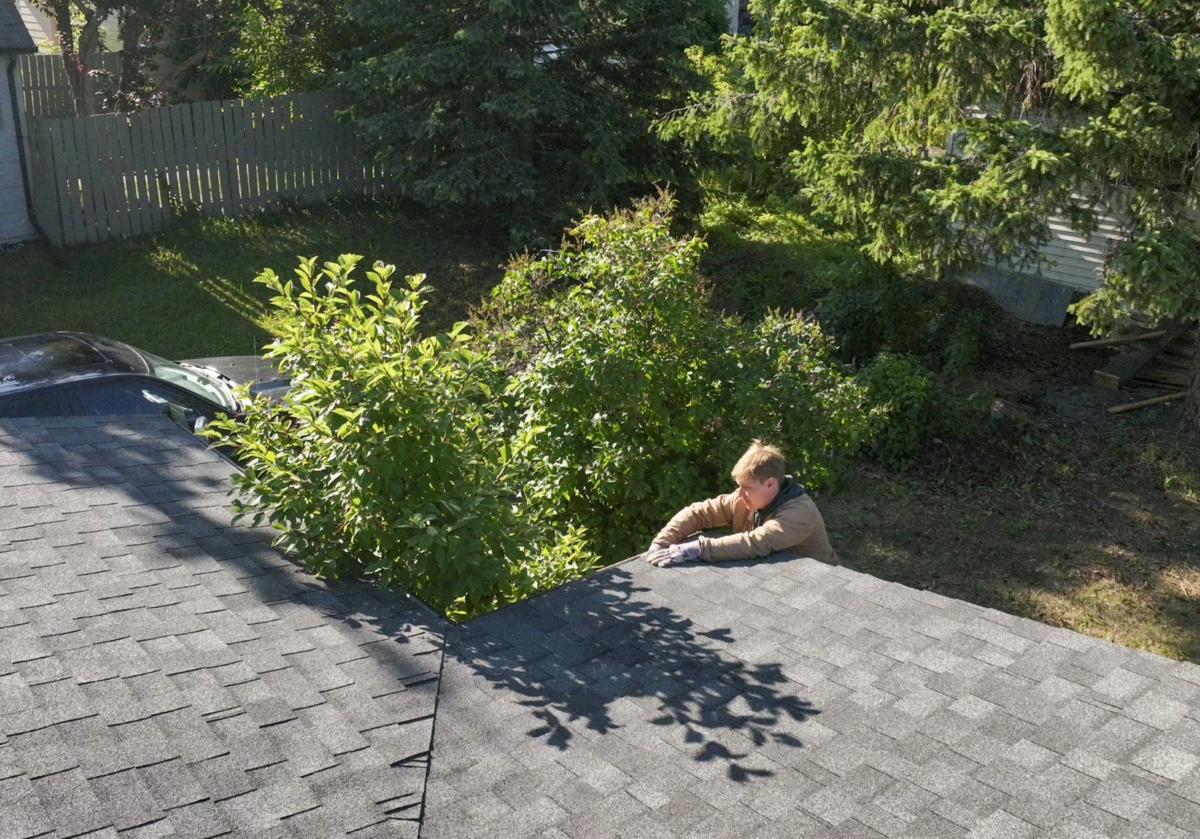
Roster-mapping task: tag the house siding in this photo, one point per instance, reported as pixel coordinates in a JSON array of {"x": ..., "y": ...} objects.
[{"x": 1077, "y": 260}]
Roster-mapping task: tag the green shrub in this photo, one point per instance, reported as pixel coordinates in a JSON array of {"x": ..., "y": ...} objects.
[
  {"x": 766, "y": 254},
  {"x": 636, "y": 396},
  {"x": 883, "y": 311},
  {"x": 903, "y": 390},
  {"x": 476, "y": 469},
  {"x": 387, "y": 460}
]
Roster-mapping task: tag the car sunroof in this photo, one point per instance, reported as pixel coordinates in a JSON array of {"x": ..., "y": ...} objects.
[{"x": 37, "y": 358}]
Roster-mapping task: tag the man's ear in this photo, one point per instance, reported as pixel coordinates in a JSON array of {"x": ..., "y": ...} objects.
[{"x": 771, "y": 483}]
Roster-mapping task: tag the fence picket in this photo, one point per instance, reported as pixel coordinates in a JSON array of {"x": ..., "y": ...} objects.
[
  {"x": 259, "y": 149},
  {"x": 148, "y": 163},
  {"x": 234, "y": 126},
  {"x": 200, "y": 155},
  {"x": 45, "y": 200},
  {"x": 92, "y": 203},
  {"x": 136, "y": 179},
  {"x": 126, "y": 183},
  {"x": 214, "y": 156},
  {"x": 323, "y": 140},
  {"x": 131, "y": 149},
  {"x": 183, "y": 119},
  {"x": 271, "y": 149},
  {"x": 246, "y": 137},
  {"x": 66, "y": 158},
  {"x": 249, "y": 175},
  {"x": 336, "y": 172},
  {"x": 114, "y": 211},
  {"x": 311, "y": 150},
  {"x": 47, "y": 91},
  {"x": 181, "y": 128},
  {"x": 287, "y": 144},
  {"x": 202, "y": 128},
  {"x": 169, "y": 179}
]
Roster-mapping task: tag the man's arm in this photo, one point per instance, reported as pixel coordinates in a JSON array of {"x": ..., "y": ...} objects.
[
  {"x": 789, "y": 528},
  {"x": 703, "y": 515}
]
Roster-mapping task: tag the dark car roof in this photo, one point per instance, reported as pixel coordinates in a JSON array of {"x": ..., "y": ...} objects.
[{"x": 28, "y": 361}]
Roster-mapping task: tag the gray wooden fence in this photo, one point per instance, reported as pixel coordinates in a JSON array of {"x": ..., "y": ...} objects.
[
  {"x": 48, "y": 93},
  {"x": 116, "y": 175}
]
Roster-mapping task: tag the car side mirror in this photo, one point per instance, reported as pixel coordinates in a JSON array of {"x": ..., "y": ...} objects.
[{"x": 185, "y": 417}]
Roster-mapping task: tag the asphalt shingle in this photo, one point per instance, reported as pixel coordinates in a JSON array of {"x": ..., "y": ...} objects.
[{"x": 164, "y": 673}]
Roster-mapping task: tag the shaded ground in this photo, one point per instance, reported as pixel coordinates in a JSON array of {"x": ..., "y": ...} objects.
[{"x": 1073, "y": 517}]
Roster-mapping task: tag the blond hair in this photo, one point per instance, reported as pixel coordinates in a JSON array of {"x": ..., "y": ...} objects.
[{"x": 760, "y": 462}]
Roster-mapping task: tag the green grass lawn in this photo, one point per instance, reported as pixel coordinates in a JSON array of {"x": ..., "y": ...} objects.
[{"x": 189, "y": 290}]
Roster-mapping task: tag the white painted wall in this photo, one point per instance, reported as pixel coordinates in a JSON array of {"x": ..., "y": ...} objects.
[
  {"x": 14, "y": 216},
  {"x": 40, "y": 27}
]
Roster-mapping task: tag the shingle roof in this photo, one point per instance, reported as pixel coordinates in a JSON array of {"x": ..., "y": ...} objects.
[
  {"x": 164, "y": 671},
  {"x": 791, "y": 699},
  {"x": 14, "y": 37}
]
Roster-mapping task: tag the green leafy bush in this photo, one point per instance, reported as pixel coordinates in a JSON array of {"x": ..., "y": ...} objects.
[
  {"x": 913, "y": 341},
  {"x": 767, "y": 254},
  {"x": 476, "y": 469},
  {"x": 386, "y": 460},
  {"x": 636, "y": 396},
  {"x": 883, "y": 311},
  {"x": 903, "y": 389}
]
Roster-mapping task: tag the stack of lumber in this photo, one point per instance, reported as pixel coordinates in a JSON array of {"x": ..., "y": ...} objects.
[
  {"x": 1171, "y": 368},
  {"x": 1160, "y": 357}
]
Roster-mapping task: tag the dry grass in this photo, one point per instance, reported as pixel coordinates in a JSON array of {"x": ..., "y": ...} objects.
[{"x": 1075, "y": 519}]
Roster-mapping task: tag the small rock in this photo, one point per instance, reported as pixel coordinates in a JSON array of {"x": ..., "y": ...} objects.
[{"x": 1004, "y": 410}]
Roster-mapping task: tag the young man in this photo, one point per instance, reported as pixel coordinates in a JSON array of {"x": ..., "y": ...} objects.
[{"x": 769, "y": 512}]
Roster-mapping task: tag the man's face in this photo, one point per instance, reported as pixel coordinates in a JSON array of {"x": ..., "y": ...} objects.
[{"x": 757, "y": 494}]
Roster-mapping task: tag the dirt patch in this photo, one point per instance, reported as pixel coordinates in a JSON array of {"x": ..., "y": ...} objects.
[{"x": 1068, "y": 514}]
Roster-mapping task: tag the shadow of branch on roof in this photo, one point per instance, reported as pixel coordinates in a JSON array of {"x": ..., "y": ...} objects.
[{"x": 576, "y": 657}]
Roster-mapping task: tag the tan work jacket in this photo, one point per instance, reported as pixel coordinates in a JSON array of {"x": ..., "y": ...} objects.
[{"x": 795, "y": 526}]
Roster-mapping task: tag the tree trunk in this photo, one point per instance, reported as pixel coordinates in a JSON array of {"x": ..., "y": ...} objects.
[
  {"x": 131, "y": 86},
  {"x": 88, "y": 46},
  {"x": 61, "y": 12},
  {"x": 78, "y": 52},
  {"x": 1193, "y": 400}
]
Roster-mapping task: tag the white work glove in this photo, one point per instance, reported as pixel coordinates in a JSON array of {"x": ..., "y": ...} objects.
[{"x": 674, "y": 554}]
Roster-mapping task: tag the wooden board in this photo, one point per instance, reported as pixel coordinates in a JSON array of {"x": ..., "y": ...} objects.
[
  {"x": 1166, "y": 376},
  {"x": 1125, "y": 366},
  {"x": 1166, "y": 360}
]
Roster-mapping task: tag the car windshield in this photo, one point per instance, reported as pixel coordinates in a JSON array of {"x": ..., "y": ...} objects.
[{"x": 192, "y": 380}]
